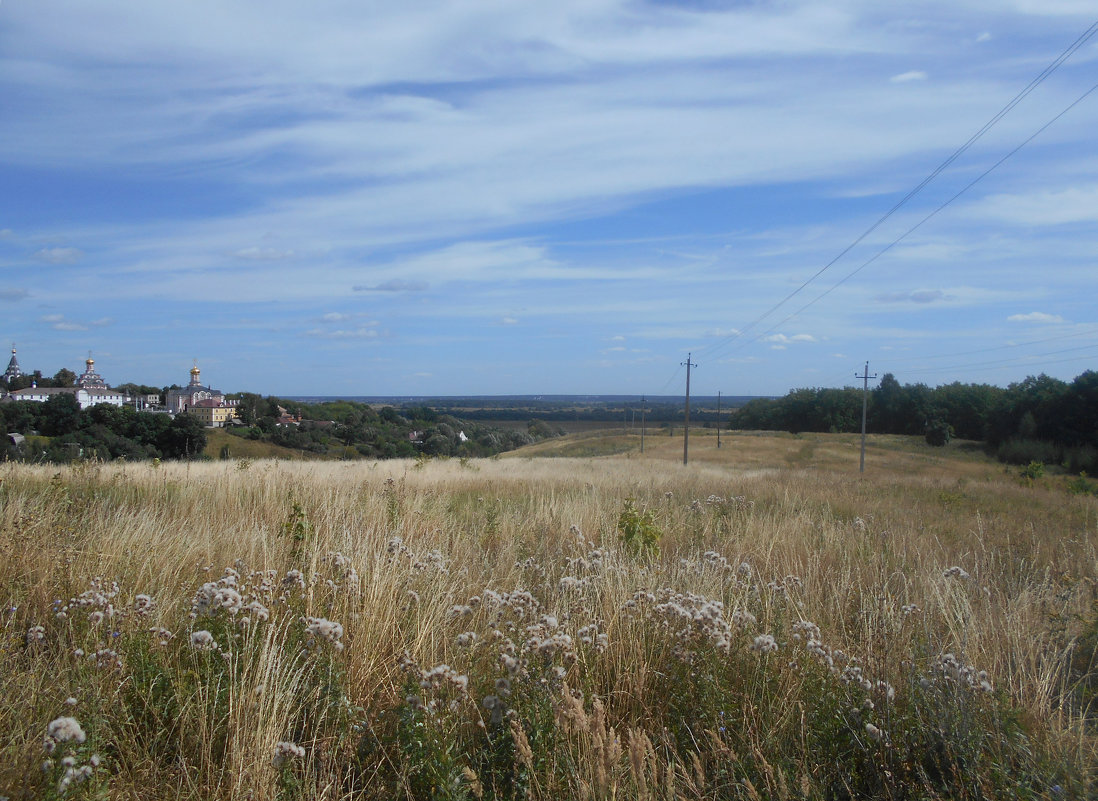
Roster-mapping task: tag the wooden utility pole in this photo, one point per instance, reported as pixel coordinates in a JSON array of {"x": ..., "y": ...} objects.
[
  {"x": 865, "y": 403},
  {"x": 644, "y": 408},
  {"x": 686, "y": 426},
  {"x": 718, "y": 419}
]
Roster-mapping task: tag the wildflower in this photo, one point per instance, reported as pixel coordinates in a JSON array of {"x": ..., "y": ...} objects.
[
  {"x": 325, "y": 630},
  {"x": 743, "y": 618},
  {"x": 764, "y": 644},
  {"x": 294, "y": 579},
  {"x": 162, "y": 634},
  {"x": 65, "y": 730},
  {"x": 71, "y": 701},
  {"x": 36, "y": 634},
  {"x": 956, "y": 572},
  {"x": 503, "y": 687},
  {"x": 95, "y": 618},
  {"x": 202, "y": 640},
  {"x": 466, "y": 639},
  {"x": 107, "y": 658},
  {"x": 284, "y": 752},
  {"x": 143, "y": 604},
  {"x": 910, "y": 609},
  {"x": 873, "y": 733}
]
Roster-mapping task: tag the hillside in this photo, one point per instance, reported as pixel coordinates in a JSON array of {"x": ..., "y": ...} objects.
[{"x": 604, "y": 626}]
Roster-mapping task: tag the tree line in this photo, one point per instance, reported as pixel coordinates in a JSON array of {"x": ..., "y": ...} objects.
[{"x": 1039, "y": 419}]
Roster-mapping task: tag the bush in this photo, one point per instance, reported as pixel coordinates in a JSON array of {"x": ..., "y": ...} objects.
[
  {"x": 938, "y": 433},
  {"x": 1080, "y": 459},
  {"x": 1024, "y": 451},
  {"x": 638, "y": 529},
  {"x": 1032, "y": 471}
]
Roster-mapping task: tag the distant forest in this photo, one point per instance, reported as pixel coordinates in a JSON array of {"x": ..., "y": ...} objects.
[{"x": 1040, "y": 419}]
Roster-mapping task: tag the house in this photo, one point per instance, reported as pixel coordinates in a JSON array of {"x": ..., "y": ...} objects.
[
  {"x": 213, "y": 413},
  {"x": 86, "y": 397}
]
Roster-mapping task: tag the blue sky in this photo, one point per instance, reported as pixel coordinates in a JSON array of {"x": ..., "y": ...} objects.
[{"x": 499, "y": 197}]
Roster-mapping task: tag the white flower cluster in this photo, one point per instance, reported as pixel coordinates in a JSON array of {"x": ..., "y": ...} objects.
[
  {"x": 75, "y": 773},
  {"x": 764, "y": 644},
  {"x": 953, "y": 670},
  {"x": 203, "y": 640},
  {"x": 143, "y": 604},
  {"x": 285, "y": 751},
  {"x": 691, "y": 621},
  {"x": 293, "y": 580},
  {"x": 547, "y": 639},
  {"x": 325, "y": 631},
  {"x": 215, "y": 596},
  {"x": 955, "y": 572},
  {"x": 343, "y": 572},
  {"x": 97, "y": 602},
  {"x": 591, "y": 636},
  {"x": 63, "y": 730},
  {"x": 245, "y": 600}
]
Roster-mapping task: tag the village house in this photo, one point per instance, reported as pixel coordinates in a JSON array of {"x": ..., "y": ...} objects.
[{"x": 213, "y": 413}]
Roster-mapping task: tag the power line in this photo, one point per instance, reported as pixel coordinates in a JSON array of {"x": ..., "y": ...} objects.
[
  {"x": 996, "y": 347},
  {"x": 924, "y": 220},
  {"x": 1033, "y": 84},
  {"x": 1005, "y": 362}
]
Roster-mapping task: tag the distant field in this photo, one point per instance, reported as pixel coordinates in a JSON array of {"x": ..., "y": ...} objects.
[{"x": 572, "y": 620}]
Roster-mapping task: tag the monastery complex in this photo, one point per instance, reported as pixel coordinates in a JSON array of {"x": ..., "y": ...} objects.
[{"x": 89, "y": 389}]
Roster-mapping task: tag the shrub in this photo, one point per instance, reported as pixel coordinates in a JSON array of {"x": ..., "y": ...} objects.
[
  {"x": 1032, "y": 471},
  {"x": 938, "y": 433},
  {"x": 1024, "y": 451},
  {"x": 638, "y": 529}
]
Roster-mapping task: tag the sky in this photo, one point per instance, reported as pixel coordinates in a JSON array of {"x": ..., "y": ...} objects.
[{"x": 504, "y": 197}]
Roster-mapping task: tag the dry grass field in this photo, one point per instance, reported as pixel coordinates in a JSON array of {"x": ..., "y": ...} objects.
[{"x": 574, "y": 620}]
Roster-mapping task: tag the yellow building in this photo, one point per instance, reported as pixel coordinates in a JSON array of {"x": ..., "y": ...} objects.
[{"x": 213, "y": 413}]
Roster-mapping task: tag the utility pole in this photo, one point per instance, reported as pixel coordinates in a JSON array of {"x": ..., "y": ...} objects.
[
  {"x": 644, "y": 408},
  {"x": 718, "y": 419},
  {"x": 686, "y": 426},
  {"x": 865, "y": 402}
]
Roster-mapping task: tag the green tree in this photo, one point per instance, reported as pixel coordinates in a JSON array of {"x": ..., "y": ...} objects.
[
  {"x": 184, "y": 438},
  {"x": 64, "y": 378},
  {"x": 60, "y": 414}
]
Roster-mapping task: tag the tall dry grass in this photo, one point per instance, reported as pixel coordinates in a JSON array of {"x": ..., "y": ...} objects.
[{"x": 802, "y": 631}]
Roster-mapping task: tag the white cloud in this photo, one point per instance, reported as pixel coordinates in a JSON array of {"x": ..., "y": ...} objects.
[
  {"x": 907, "y": 77},
  {"x": 355, "y": 333},
  {"x": 59, "y": 255},
  {"x": 393, "y": 285},
  {"x": 1051, "y": 207},
  {"x": 1035, "y": 317},
  {"x": 509, "y": 321},
  {"x": 783, "y": 340},
  {"x": 984, "y": 37},
  {"x": 58, "y": 322},
  {"x": 263, "y": 254},
  {"x": 915, "y": 296},
  {"x": 12, "y": 295}
]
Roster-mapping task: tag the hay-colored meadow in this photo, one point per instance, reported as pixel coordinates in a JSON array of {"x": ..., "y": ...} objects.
[{"x": 762, "y": 623}]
